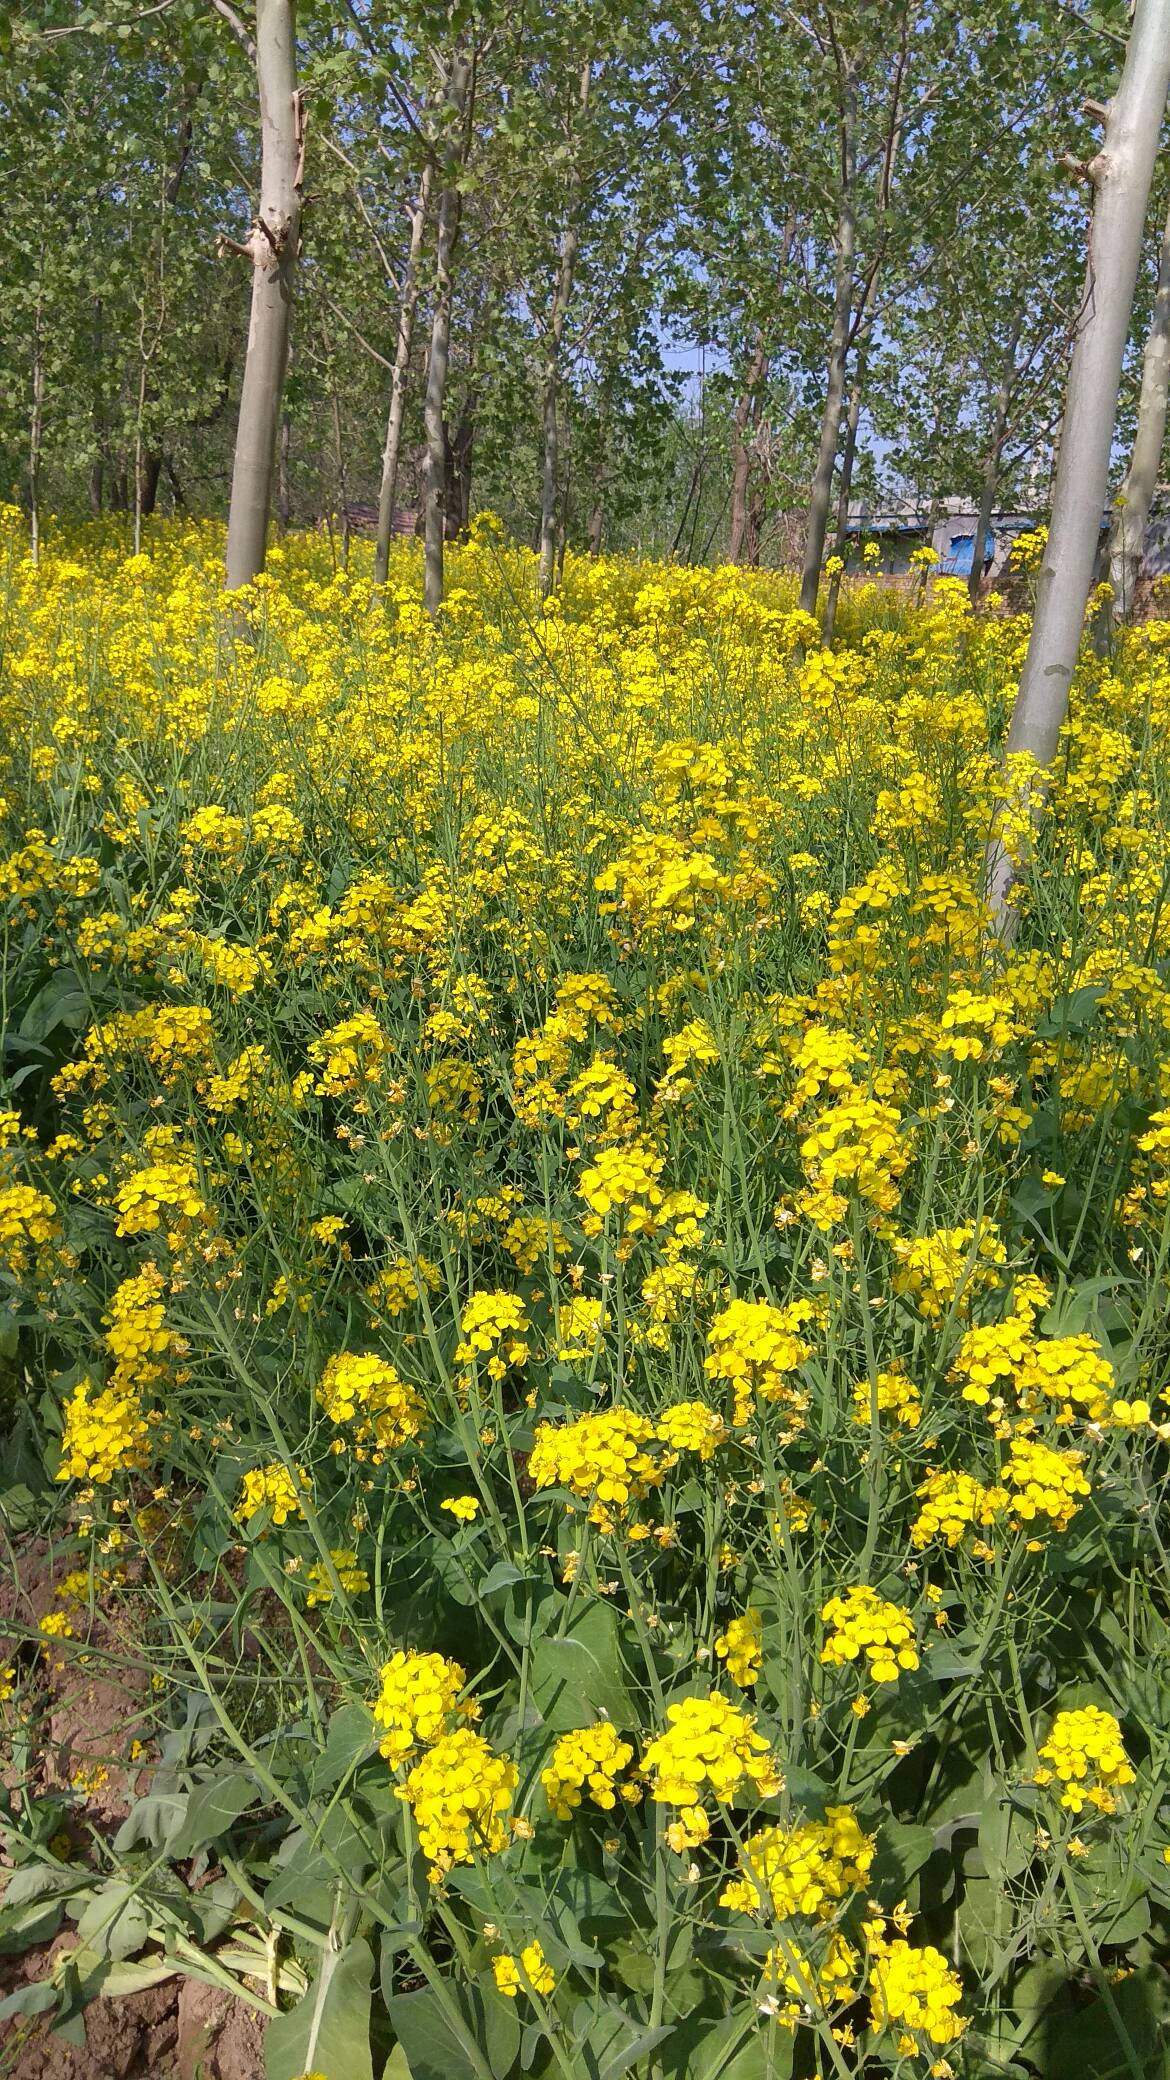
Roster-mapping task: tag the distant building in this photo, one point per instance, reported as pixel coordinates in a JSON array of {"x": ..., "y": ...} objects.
[{"x": 900, "y": 526}]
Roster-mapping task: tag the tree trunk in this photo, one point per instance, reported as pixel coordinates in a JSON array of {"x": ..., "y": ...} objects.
[
  {"x": 459, "y": 88},
  {"x": 552, "y": 364},
  {"x": 272, "y": 247},
  {"x": 152, "y": 469},
  {"x": 342, "y": 499},
  {"x": 848, "y": 458},
  {"x": 743, "y": 427},
  {"x": 991, "y": 462},
  {"x": 138, "y": 456},
  {"x": 822, "y": 483},
  {"x": 459, "y": 457},
  {"x": 35, "y": 436},
  {"x": 398, "y": 375},
  {"x": 1141, "y": 479},
  {"x": 1121, "y": 172}
]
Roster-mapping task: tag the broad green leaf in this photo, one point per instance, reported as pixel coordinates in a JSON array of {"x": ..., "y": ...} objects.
[
  {"x": 453, "y": 2040},
  {"x": 579, "y": 1677},
  {"x": 211, "y": 1809},
  {"x": 328, "y": 2031}
]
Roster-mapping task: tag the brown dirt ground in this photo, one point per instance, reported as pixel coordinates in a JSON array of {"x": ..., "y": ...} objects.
[{"x": 180, "y": 2030}]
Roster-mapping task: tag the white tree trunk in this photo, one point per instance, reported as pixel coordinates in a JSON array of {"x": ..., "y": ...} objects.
[
  {"x": 459, "y": 87},
  {"x": 272, "y": 247},
  {"x": 1141, "y": 482},
  {"x": 406, "y": 311},
  {"x": 1121, "y": 174},
  {"x": 821, "y": 494},
  {"x": 552, "y": 366}
]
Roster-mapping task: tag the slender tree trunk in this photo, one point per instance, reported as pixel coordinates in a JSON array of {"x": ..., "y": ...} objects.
[
  {"x": 398, "y": 376},
  {"x": 550, "y": 395},
  {"x": 460, "y": 457},
  {"x": 35, "y": 436},
  {"x": 743, "y": 427},
  {"x": 138, "y": 457},
  {"x": 1121, "y": 172},
  {"x": 272, "y": 247},
  {"x": 822, "y": 483},
  {"x": 991, "y": 463},
  {"x": 848, "y": 459},
  {"x": 339, "y": 479},
  {"x": 1141, "y": 479},
  {"x": 597, "y": 511},
  {"x": 152, "y": 469},
  {"x": 459, "y": 91}
]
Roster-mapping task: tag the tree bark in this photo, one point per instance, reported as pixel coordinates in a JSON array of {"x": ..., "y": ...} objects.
[
  {"x": 550, "y": 395},
  {"x": 1121, "y": 173},
  {"x": 848, "y": 458},
  {"x": 35, "y": 436},
  {"x": 1141, "y": 478},
  {"x": 459, "y": 449},
  {"x": 992, "y": 459},
  {"x": 822, "y": 483},
  {"x": 743, "y": 427},
  {"x": 459, "y": 91},
  {"x": 152, "y": 469},
  {"x": 272, "y": 247},
  {"x": 398, "y": 375}
]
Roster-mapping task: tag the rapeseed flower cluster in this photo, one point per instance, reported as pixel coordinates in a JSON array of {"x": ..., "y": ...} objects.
[
  {"x": 418, "y": 1694},
  {"x": 366, "y": 1395},
  {"x": 588, "y": 1762},
  {"x": 1085, "y": 1755},
  {"x": 868, "y": 1628}
]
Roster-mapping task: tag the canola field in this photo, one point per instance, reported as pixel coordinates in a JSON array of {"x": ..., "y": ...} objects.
[{"x": 588, "y": 1344}]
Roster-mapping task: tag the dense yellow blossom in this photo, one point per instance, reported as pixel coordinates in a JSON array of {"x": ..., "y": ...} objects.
[
  {"x": 1086, "y": 1754},
  {"x": 104, "y": 1433},
  {"x": 806, "y": 1869},
  {"x": 866, "y": 1627},
  {"x": 367, "y": 1393},
  {"x": 419, "y": 1693},
  {"x": 707, "y": 1743},
  {"x": 460, "y": 1791},
  {"x": 532, "y": 1973},
  {"x": 586, "y": 1763}
]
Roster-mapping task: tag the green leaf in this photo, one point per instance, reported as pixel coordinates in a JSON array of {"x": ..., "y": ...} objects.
[
  {"x": 153, "y": 1820},
  {"x": 35, "y": 1999},
  {"x": 1090, "y": 2043},
  {"x": 352, "y": 1736},
  {"x": 442, "y": 2046},
  {"x": 751, "y": 2061},
  {"x": 581, "y": 1676},
  {"x": 211, "y": 1809},
  {"x": 114, "y": 1924},
  {"x": 1072, "y": 1014},
  {"x": 329, "y": 2029},
  {"x": 501, "y": 1576}
]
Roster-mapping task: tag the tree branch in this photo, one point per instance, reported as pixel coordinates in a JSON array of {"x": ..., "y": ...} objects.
[{"x": 228, "y": 14}]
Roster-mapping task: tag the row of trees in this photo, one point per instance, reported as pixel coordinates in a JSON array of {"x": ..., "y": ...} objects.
[{"x": 474, "y": 232}]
